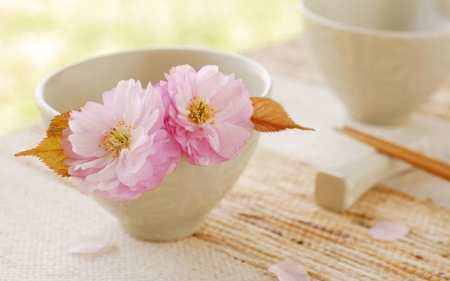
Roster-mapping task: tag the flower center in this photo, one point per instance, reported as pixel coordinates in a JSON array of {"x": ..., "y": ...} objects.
[
  {"x": 200, "y": 111},
  {"x": 119, "y": 137}
]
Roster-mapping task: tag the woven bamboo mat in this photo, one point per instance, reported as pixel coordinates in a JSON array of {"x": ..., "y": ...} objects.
[{"x": 271, "y": 216}]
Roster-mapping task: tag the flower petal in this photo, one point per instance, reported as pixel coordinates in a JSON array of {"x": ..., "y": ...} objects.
[
  {"x": 92, "y": 117},
  {"x": 86, "y": 145},
  {"x": 231, "y": 138},
  {"x": 289, "y": 270},
  {"x": 130, "y": 171},
  {"x": 90, "y": 245},
  {"x": 209, "y": 83},
  {"x": 388, "y": 231},
  {"x": 122, "y": 193},
  {"x": 107, "y": 173},
  {"x": 121, "y": 95}
]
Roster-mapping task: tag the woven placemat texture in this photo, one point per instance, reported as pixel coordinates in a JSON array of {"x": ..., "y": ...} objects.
[{"x": 270, "y": 216}]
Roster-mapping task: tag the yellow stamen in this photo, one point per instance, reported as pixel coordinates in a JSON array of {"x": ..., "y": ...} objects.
[
  {"x": 119, "y": 137},
  {"x": 200, "y": 111}
]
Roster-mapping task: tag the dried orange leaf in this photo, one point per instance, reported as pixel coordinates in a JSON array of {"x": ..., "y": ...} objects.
[
  {"x": 49, "y": 150},
  {"x": 58, "y": 124},
  {"x": 270, "y": 116}
]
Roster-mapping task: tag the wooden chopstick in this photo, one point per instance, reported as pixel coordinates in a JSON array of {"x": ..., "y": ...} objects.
[{"x": 421, "y": 161}]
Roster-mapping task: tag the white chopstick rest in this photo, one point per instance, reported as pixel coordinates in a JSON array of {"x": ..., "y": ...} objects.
[{"x": 338, "y": 188}]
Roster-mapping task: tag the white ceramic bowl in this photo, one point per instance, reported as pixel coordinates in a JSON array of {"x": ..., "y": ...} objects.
[
  {"x": 382, "y": 58},
  {"x": 71, "y": 87},
  {"x": 178, "y": 207}
]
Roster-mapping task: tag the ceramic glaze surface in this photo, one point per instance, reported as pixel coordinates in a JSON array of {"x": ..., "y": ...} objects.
[
  {"x": 380, "y": 72},
  {"x": 178, "y": 207}
]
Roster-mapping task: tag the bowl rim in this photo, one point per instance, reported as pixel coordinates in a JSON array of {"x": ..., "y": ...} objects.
[
  {"x": 307, "y": 12},
  {"x": 44, "y": 106}
]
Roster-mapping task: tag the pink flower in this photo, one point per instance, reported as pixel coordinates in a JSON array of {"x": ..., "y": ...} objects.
[
  {"x": 207, "y": 112},
  {"x": 289, "y": 270},
  {"x": 120, "y": 149},
  {"x": 388, "y": 231}
]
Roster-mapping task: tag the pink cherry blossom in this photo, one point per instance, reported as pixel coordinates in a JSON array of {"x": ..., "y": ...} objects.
[
  {"x": 388, "y": 231},
  {"x": 120, "y": 148},
  {"x": 289, "y": 270},
  {"x": 91, "y": 245},
  {"x": 207, "y": 112}
]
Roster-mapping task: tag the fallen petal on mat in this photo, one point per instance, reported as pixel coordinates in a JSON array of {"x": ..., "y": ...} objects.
[
  {"x": 91, "y": 245},
  {"x": 289, "y": 270},
  {"x": 388, "y": 231}
]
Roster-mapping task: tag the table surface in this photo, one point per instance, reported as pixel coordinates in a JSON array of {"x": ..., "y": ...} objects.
[{"x": 299, "y": 87}]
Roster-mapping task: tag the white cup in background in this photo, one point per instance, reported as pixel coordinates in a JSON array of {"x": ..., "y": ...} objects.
[{"x": 382, "y": 58}]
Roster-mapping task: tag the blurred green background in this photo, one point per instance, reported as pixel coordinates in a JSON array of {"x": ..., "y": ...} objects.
[{"x": 38, "y": 37}]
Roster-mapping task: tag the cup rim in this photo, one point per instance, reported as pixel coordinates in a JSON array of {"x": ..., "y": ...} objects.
[
  {"x": 43, "y": 105},
  {"x": 367, "y": 30}
]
